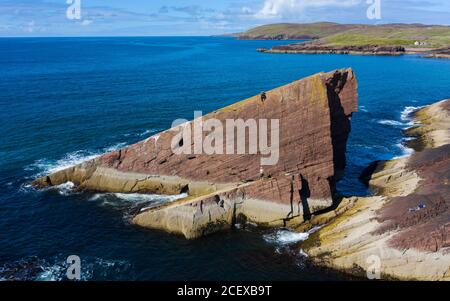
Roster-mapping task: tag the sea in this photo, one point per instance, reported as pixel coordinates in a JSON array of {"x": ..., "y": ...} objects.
[{"x": 66, "y": 100}]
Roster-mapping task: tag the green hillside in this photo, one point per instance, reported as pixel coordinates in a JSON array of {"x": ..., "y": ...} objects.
[
  {"x": 354, "y": 34},
  {"x": 312, "y": 30}
]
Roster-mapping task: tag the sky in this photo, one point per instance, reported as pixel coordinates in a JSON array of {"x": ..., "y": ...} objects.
[{"x": 199, "y": 17}]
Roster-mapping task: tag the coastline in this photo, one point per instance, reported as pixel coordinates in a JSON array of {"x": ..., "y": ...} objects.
[
  {"x": 371, "y": 50},
  {"x": 346, "y": 50},
  {"x": 410, "y": 243}
]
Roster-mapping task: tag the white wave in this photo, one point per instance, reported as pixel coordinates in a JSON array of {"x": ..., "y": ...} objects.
[
  {"x": 363, "y": 109},
  {"x": 45, "y": 166},
  {"x": 52, "y": 273},
  {"x": 144, "y": 133},
  {"x": 131, "y": 200},
  {"x": 285, "y": 237},
  {"x": 391, "y": 122},
  {"x": 406, "y": 151},
  {"x": 405, "y": 115},
  {"x": 302, "y": 253},
  {"x": 315, "y": 229},
  {"x": 65, "y": 188},
  {"x": 166, "y": 198},
  {"x": 26, "y": 188},
  {"x": 55, "y": 268},
  {"x": 115, "y": 147},
  {"x": 147, "y": 132},
  {"x": 139, "y": 197}
]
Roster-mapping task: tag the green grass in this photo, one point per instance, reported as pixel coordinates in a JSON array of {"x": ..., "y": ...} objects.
[
  {"x": 320, "y": 30},
  {"x": 361, "y": 39},
  {"x": 357, "y": 34}
]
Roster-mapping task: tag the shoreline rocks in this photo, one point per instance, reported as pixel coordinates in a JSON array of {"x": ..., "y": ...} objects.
[
  {"x": 314, "y": 123},
  {"x": 315, "y": 47},
  {"x": 311, "y": 48},
  {"x": 440, "y": 53},
  {"x": 407, "y": 223}
]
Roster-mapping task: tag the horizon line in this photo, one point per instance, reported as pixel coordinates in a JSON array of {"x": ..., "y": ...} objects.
[{"x": 215, "y": 35}]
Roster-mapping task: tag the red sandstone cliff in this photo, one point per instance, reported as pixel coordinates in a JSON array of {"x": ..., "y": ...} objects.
[{"x": 314, "y": 123}]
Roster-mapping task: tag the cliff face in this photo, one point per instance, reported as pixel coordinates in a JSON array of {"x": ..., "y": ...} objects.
[{"x": 313, "y": 124}]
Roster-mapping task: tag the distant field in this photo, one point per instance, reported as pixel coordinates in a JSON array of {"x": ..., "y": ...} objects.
[
  {"x": 287, "y": 30},
  {"x": 355, "y": 34}
]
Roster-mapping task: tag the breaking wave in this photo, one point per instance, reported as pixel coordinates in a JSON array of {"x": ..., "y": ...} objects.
[
  {"x": 55, "y": 268},
  {"x": 406, "y": 151},
  {"x": 363, "y": 109},
  {"x": 45, "y": 166},
  {"x": 406, "y": 113},
  {"x": 391, "y": 122},
  {"x": 132, "y": 203},
  {"x": 148, "y": 132},
  {"x": 117, "y": 199},
  {"x": 405, "y": 117},
  {"x": 285, "y": 237},
  {"x": 65, "y": 188},
  {"x": 144, "y": 133}
]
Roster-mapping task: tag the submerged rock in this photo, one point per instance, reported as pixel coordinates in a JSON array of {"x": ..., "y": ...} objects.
[{"x": 313, "y": 123}]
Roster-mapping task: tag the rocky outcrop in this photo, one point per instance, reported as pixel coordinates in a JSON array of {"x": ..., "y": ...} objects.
[
  {"x": 440, "y": 53},
  {"x": 406, "y": 226},
  {"x": 314, "y": 48},
  {"x": 313, "y": 124}
]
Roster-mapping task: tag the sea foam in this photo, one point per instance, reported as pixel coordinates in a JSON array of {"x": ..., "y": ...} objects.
[
  {"x": 134, "y": 200},
  {"x": 65, "y": 188},
  {"x": 405, "y": 115},
  {"x": 391, "y": 122},
  {"x": 285, "y": 237},
  {"x": 55, "y": 268},
  {"x": 46, "y": 166},
  {"x": 406, "y": 151}
]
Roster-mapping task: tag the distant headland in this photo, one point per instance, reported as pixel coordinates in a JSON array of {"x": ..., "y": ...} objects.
[{"x": 334, "y": 38}]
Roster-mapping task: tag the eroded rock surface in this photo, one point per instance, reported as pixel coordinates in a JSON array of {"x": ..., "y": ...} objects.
[
  {"x": 314, "y": 123},
  {"x": 406, "y": 226}
]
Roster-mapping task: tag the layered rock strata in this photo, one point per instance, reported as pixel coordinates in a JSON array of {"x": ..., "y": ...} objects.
[
  {"x": 312, "y": 48},
  {"x": 405, "y": 228},
  {"x": 440, "y": 53},
  {"x": 313, "y": 124}
]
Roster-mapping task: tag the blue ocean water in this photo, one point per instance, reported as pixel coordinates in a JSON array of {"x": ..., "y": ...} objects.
[{"x": 63, "y": 100}]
